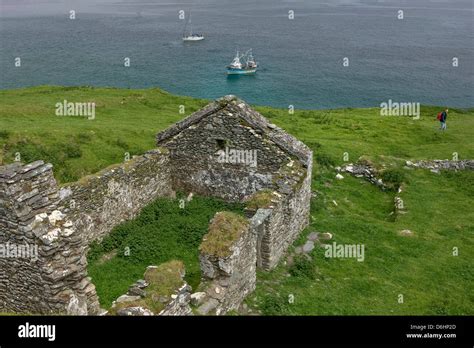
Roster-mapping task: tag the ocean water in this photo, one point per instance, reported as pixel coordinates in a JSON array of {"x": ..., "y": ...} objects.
[{"x": 301, "y": 60}]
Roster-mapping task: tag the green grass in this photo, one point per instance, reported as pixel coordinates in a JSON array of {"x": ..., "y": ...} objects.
[
  {"x": 421, "y": 268},
  {"x": 126, "y": 121},
  {"x": 439, "y": 211},
  {"x": 162, "y": 232}
]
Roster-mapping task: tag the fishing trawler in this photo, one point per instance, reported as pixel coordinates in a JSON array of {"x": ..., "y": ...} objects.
[
  {"x": 237, "y": 68},
  {"x": 191, "y": 36}
]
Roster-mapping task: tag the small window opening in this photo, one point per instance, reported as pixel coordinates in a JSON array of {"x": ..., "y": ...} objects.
[{"x": 221, "y": 144}]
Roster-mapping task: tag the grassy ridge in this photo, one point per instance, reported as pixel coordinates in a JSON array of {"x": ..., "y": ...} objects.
[
  {"x": 126, "y": 121},
  {"x": 439, "y": 207}
]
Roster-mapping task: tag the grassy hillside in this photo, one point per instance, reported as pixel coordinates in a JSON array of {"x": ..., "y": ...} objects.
[
  {"x": 422, "y": 268},
  {"x": 126, "y": 121}
]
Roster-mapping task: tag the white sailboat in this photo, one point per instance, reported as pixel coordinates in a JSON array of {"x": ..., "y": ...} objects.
[{"x": 191, "y": 36}]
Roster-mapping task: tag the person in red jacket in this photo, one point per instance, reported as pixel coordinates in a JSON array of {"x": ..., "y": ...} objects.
[{"x": 442, "y": 120}]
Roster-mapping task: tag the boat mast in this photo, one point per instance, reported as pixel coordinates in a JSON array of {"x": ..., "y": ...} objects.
[
  {"x": 188, "y": 20},
  {"x": 237, "y": 58},
  {"x": 185, "y": 25},
  {"x": 190, "y": 24}
]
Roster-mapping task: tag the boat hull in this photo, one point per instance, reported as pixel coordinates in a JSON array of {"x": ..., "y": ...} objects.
[
  {"x": 198, "y": 38},
  {"x": 233, "y": 71}
]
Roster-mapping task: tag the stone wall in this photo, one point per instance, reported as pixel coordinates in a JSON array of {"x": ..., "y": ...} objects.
[
  {"x": 279, "y": 231},
  {"x": 437, "y": 165},
  {"x": 284, "y": 219},
  {"x": 179, "y": 304},
  {"x": 280, "y": 225},
  {"x": 50, "y": 280},
  {"x": 143, "y": 299},
  {"x": 202, "y": 141},
  {"x": 99, "y": 202},
  {"x": 61, "y": 224},
  {"x": 363, "y": 170},
  {"x": 205, "y": 175},
  {"x": 228, "y": 279}
]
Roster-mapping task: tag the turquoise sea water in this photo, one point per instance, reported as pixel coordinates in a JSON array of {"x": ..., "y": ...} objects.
[{"x": 301, "y": 60}]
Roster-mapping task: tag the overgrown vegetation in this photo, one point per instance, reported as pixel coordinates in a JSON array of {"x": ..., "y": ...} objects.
[
  {"x": 162, "y": 281},
  {"x": 393, "y": 178},
  {"x": 224, "y": 229},
  {"x": 302, "y": 267},
  {"x": 324, "y": 160},
  {"x": 162, "y": 232},
  {"x": 260, "y": 199},
  {"x": 422, "y": 268}
]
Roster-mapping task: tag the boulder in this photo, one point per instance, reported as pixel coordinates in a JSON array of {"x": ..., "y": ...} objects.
[
  {"x": 325, "y": 236},
  {"x": 198, "y": 298},
  {"x": 406, "y": 233},
  {"x": 141, "y": 283},
  {"x": 308, "y": 246},
  {"x": 127, "y": 298},
  {"x": 313, "y": 236},
  {"x": 136, "y": 291},
  {"x": 134, "y": 311},
  {"x": 207, "y": 306}
]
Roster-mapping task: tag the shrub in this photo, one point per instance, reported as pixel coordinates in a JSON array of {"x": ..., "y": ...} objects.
[
  {"x": 273, "y": 305},
  {"x": 366, "y": 161},
  {"x": 324, "y": 160},
  {"x": 4, "y": 134},
  {"x": 393, "y": 178},
  {"x": 84, "y": 138},
  {"x": 303, "y": 267},
  {"x": 121, "y": 143},
  {"x": 72, "y": 150}
]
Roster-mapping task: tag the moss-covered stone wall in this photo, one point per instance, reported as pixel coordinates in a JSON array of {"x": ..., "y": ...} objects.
[{"x": 57, "y": 226}]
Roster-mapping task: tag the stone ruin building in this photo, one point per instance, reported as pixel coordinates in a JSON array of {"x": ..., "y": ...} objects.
[{"x": 225, "y": 150}]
